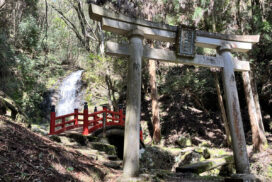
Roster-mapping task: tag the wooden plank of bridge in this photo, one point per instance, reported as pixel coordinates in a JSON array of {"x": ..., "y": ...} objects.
[{"x": 116, "y": 49}]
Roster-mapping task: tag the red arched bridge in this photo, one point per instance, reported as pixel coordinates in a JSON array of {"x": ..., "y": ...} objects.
[{"x": 86, "y": 122}]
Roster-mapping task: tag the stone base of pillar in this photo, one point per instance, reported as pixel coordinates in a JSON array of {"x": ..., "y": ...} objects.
[{"x": 242, "y": 178}]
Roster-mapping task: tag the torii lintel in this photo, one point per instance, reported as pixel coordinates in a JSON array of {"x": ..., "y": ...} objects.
[{"x": 121, "y": 24}]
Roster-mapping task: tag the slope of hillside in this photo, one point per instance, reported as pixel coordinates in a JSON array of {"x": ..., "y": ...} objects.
[{"x": 26, "y": 156}]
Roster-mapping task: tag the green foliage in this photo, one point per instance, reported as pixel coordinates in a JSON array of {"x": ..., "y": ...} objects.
[
  {"x": 97, "y": 68},
  {"x": 70, "y": 168},
  {"x": 187, "y": 80},
  {"x": 29, "y": 32},
  {"x": 198, "y": 13}
]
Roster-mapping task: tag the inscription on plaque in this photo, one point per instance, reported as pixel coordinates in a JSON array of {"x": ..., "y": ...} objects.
[{"x": 186, "y": 41}]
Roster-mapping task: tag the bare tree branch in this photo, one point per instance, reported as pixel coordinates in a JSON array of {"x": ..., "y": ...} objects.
[
  {"x": 2, "y": 6},
  {"x": 73, "y": 28}
]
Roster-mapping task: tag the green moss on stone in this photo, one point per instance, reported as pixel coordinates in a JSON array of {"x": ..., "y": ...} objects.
[{"x": 107, "y": 148}]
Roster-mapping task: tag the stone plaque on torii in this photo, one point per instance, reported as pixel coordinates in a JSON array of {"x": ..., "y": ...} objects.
[{"x": 136, "y": 30}]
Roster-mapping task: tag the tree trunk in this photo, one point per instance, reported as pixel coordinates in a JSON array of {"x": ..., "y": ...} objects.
[
  {"x": 222, "y": 108},
  {"x": 111, "y": 92},
  {"x": 256, "y": 100},
  {"x": 154, "y": 98},
  {"x": 258, "y": 136},
  {"x": 46, "y": 32}
]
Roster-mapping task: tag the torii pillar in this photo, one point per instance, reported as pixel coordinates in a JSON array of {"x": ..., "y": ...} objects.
[
  {"x": 133, "y": 108},
  {"x": 233, "y": 112}
]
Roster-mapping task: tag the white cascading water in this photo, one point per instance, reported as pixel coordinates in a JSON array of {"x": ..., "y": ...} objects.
[{"x": 69, "y": 92}]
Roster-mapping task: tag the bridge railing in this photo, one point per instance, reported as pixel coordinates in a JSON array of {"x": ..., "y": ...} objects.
[{"x": 89, "y": 122}]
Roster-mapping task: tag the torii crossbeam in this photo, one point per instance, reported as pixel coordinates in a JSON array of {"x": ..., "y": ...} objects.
[{"x": 136, "y": 30}]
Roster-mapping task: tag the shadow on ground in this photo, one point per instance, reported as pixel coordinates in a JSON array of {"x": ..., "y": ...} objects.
[{"x": 28, "y": 156}]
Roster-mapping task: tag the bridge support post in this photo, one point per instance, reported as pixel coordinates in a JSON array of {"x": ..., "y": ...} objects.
[
  {"x": 52, "y": 120},
  {"x": 121, "y": 115},
  {"x": 76, "y": 117},
  {"x": 95, "y": 116},
  {"x": 85, "y": 120},
  {"x": 104, "y": 120},
  {"x": 234, "y": 114},
  {"x": 133, "y": 108}
]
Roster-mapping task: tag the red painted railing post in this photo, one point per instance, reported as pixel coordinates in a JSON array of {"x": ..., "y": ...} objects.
[
  {"x": 63, "y": 123},
  {"x": 121, "y": 116},
  {"x": 76, "y": 117},
  {"x": 52, "y": 120},
  {"x": 85, "y": 120},
  {"x": 113, "y": 115},
  {"x": 95, "y": 116},
  {"x": 104, "y": 120}
]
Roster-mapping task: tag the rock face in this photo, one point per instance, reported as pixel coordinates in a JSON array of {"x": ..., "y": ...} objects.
[
  {"x": 50, "y": 97},
  {"x": 6, "y": 103},
  {"x": 156, "y": 158}
]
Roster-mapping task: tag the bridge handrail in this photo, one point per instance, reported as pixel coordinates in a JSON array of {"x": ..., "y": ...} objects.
[
  {"x": 95, "y": 113},
  {"x": 65, "y": 116},
  {"x": 88, "y": 125}
]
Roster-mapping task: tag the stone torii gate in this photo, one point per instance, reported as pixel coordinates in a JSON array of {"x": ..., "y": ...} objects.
[{"x": 136, "y": 30}]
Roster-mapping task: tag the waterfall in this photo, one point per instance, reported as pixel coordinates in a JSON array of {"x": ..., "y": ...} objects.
[{"x": 69, "y": 94}]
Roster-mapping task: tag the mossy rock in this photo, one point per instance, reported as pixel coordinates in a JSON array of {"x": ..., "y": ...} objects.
[
  {"x": 79, "y": 138},
  {"x": 204, "y": 144},
  {"x": 92, "y": 138},
  {"x": 7, "y": 103},
  {"x": 107, "y": 148},
  {"x": 184, "y": 142},
  {"x": 227, "y": 170},
  {"x": 163, "y": 174},
  {"x": 204, "y": 152},
  {"x": 55, "y": 138},
  {"x": 190, "y": 158},
  {"x": 200, "y": 167},
  {"x": 156, "y": 158}
]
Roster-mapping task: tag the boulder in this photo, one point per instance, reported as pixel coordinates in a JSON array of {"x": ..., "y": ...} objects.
[
  {"x": 202, "y": 166},
  {"x": 156, "y": 158},
  {"x": 107, "y": 148},
  {"x": 55, "y": 138},
  {"x": 79, "y": 138},
  {"x": 190, "y": 158},
  {"x": 8, "y": 103},
  {"x": 204, "y": 152},
  {"x": 184, "y": 142}
]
